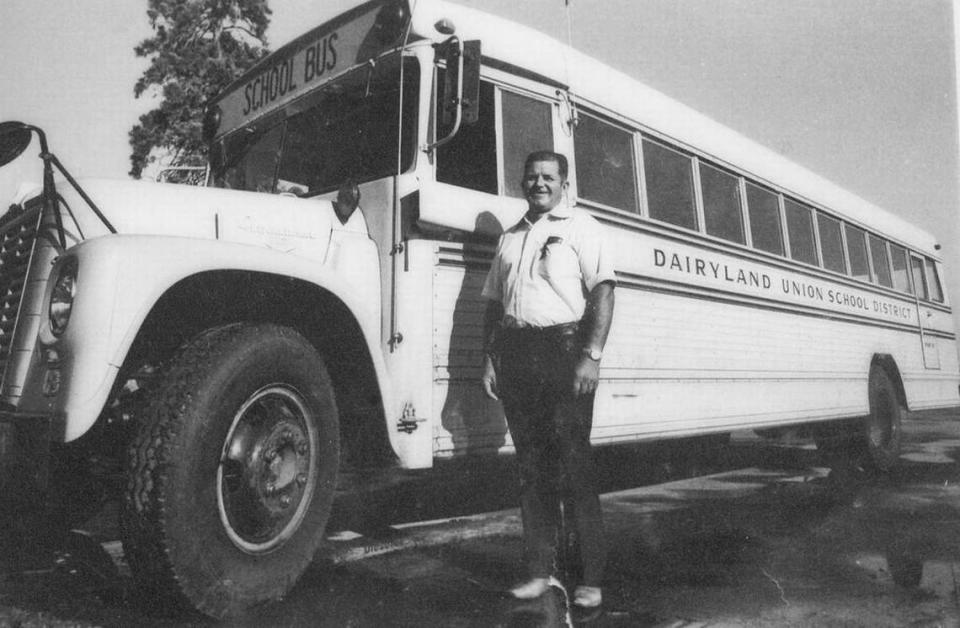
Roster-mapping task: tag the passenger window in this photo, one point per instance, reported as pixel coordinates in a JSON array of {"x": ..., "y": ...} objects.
[
  {"x": 606, "y": 170},
  {"x": 527, "y": 126},
  {"x": 669, "y": 182},
  {"x": 800, "y": 232},
  {"x": 857, "y": 251},
  {"x": 881, "y": 262},
  {"x": 764, "y": 209},
  {"x": 901, "y": 272},
  {"x": 470, "y": 158},
  {"x": 919, "y": 279},
  {"x": 831, "y": 243},
  {"x": 936, "y": 290},
  {"x": 721, "y": 204}
]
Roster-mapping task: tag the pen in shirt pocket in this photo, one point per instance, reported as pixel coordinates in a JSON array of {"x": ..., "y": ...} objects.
[{"x": 550, "y": 240}]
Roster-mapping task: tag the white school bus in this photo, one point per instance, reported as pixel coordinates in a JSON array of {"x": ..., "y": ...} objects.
[{"x": 233, "y": 348}]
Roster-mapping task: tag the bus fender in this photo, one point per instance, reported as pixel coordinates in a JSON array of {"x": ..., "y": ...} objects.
[{"x": 120, "y": 280}]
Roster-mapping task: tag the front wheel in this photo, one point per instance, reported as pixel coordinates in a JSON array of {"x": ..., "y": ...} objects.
[{"x": 232, "y": 474}]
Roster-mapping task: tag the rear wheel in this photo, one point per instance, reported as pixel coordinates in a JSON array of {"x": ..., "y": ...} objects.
[
  {"x": 884, "y": 433},
  {"x": 231, "y": 477},
  {"x": 874, "y": 441}
]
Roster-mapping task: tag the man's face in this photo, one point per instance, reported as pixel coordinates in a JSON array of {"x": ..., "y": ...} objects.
[{"x": 543, "y": 186}]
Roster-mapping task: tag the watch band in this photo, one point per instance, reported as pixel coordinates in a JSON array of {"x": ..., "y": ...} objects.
[{"x": 593, "y": 354}]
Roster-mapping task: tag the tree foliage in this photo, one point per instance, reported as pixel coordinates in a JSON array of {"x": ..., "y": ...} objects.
[{"x": 198, "y": 47}]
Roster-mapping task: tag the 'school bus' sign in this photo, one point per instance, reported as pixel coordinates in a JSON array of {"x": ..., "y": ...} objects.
[{"x": 319, "y": 55}]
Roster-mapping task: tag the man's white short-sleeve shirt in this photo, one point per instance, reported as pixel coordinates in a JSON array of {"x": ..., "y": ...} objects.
[{"x": 542, "y": 271}]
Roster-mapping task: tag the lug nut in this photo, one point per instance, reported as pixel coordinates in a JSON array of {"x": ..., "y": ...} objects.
[
  {"x": 271, "y": 488},
  {"x": 302, "y": 448},
  {"x": 269, "y": 455},
  {"x": 301, "y": 479},
  {"x": 284, "y": 500}
]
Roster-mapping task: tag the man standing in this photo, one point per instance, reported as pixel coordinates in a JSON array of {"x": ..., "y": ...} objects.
[{"x": 550, "y": 291}]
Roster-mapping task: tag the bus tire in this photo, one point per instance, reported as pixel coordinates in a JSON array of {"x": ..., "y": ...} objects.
[
  {"x": 230, "y": 480},
  {"x": 883, "y": 428},
  {"x": 871, "y": 443}
]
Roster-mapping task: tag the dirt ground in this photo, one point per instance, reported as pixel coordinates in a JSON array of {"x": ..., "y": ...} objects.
[{"x": 761, "y": 534}]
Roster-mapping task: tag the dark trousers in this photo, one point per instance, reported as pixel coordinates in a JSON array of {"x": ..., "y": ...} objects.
[{"x": 551, "y": 432}]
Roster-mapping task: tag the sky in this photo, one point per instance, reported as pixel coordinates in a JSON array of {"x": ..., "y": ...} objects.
[{"x": 862, "y": 92}]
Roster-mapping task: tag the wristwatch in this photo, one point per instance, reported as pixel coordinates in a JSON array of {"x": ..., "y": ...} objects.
[{"x": 593, "y": 354}]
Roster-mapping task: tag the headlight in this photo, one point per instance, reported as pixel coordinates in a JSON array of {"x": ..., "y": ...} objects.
[{"x": 61, "y": 299}]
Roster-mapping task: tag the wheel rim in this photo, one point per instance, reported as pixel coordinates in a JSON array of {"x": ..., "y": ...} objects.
[{"x": 267, "y": 472}]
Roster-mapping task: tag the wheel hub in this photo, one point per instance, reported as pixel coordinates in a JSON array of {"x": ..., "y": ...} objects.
[{"x": 266, "y": 474}]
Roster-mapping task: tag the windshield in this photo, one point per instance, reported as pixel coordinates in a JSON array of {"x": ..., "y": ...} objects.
[{"x": 346, "y": 129}]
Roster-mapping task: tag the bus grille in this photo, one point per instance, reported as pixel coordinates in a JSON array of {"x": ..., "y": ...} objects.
[{"x": 16, "y": 245}]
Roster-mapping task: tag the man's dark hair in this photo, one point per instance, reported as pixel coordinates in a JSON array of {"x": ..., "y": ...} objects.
[{"x": 548, "y": 155}]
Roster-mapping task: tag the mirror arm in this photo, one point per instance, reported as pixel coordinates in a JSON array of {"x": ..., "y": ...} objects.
[
  {"x": 50, "y": 190},
  {"x": 83, "y": 195},
  {"x": 49, "y": 194},
  {"x": 449, "y": 136}
]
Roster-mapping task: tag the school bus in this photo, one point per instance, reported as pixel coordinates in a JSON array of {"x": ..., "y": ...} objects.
[{"x": 317, "y": 306}]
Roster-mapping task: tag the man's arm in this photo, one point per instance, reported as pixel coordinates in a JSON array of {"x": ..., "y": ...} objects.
[
  {"x": 596, "y": 321},
  {"x": 491, "y": 324}
]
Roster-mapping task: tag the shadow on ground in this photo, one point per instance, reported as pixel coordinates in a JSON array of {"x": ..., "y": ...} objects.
[{"x": 780, "y": 540}]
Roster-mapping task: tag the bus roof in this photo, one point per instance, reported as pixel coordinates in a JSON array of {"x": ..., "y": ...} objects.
[{"x": 594, "y": 82}]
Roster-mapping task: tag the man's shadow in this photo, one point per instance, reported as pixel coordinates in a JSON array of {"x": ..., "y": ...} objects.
[{"x": 476, "y": 423}]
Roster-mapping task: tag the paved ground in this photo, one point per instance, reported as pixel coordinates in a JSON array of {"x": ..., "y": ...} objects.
[{"x": 766, "y": 538}]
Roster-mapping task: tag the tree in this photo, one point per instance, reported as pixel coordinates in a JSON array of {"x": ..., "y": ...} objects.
[{"x": 198, "y": 48}]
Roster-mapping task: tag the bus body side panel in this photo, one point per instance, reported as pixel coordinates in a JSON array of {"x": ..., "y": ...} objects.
[
  {"x": 704, "y": 340},
  {"x": 679, "y": 365}
]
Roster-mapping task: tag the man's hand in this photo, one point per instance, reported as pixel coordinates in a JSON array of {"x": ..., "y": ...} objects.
[
  {"x": 585, "y": 376},
  {"x": 489, "y": 378}
]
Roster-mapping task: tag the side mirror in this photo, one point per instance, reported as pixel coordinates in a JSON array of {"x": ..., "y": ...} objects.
[
  {"x": 460, "y": 99},
  {"x": 470, "y": 98},
  {"x": 450, "y": 98},
  {"x": 14, "y": 139}
]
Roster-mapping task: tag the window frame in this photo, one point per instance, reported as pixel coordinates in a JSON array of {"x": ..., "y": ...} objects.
[
  {"x": 741, "y": 201},
  {"x": 863, "y": 233},
  {"x": 933, "y": 279},
  {"x": 844, "y": 262},
  {"x": 874, "y": 274},
  {"x": 636, "y": 155},
  {"x": 499, "y": 128},
  {"x": 816, "y": 263},
  {"x": 694, "y": 182},
  {"x": 893, "y": 269}
]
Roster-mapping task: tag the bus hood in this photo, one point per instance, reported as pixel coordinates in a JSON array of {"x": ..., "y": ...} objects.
[{"x": 285, "y": 223}]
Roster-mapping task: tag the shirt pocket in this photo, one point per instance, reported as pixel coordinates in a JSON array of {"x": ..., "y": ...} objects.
[{"x": 558, "y": 260}]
